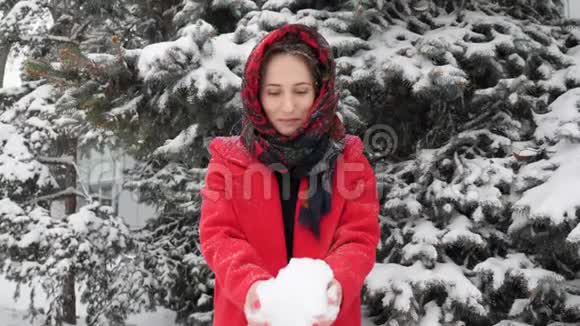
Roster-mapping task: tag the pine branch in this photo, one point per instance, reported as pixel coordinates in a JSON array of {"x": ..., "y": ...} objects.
[
  {"x": 465, "y": 260},
  {"x": 65, "y": 160},
  {"x": 467, "y": 272},
  {"x": 572, "y": 289},
  {"x": 388, "y": 258},
  {"x": 388, "y": 220},
  {"x": 41, "y": 37},
  {"x": 75, "y": 33},
  {"x": 485, "y": 117},
  {"x": 563, "y": 266},
  {"x": 67, "y": 192},
  {"x": 199, "y": 171},
  {"x": 7, "y": 5},
  {"x": 459, "y": 10},
  {"x": 62, "y": 39}
]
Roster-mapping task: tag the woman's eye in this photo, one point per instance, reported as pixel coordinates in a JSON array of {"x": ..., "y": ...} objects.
[
  {"x": 302, "y": 92},
  {"x": 274, "y": 93}
]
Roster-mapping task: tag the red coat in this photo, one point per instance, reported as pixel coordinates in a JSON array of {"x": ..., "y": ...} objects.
[{"x": 242, "y": 232}]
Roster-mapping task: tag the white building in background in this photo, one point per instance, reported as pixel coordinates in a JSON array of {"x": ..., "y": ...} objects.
[
  {"x": 572, "y": 8},
  {"x": 102, "y": 175}
]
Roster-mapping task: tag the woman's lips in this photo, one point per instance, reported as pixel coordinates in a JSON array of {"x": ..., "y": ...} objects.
[{"x": 289, "y": 121}]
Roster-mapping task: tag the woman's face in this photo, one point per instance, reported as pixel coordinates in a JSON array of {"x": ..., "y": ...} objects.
[{"x": 287, "y": 92}]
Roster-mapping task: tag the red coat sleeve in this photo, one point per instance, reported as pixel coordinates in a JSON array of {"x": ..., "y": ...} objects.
[
  {"x": 353, "y": 251},
  {"x": 233, "y": 260}
]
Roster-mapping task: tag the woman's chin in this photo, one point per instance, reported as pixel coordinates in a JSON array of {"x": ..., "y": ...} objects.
[{"x": 287, "y": 131}]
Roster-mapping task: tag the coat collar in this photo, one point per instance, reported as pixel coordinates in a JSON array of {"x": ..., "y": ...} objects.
[{"x": 232, "y": 150}]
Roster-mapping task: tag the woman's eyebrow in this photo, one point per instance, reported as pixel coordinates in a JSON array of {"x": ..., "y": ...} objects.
[{"x": 297, "y": 84}]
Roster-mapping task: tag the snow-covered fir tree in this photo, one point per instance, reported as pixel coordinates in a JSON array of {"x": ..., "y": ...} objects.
[
  {"x": 40, "y": 137},
  {"x": 469, "y": 110},
  {"x": 40, "y": 246}
]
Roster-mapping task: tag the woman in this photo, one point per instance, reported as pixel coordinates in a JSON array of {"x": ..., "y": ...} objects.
[{"x": 291, "y": 185}]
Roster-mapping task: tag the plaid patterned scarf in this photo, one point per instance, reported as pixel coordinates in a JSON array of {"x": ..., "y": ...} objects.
[{"x": 314, "y": 149}]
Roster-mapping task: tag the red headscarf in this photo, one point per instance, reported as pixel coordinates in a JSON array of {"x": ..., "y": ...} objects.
[{"x": 322, "y": 119}]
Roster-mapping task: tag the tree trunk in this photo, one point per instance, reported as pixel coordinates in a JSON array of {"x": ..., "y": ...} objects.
[
  {"x": 69, "y": 296},
  {"x": 69, "y": 299},
  {"x": 4, "y": 51}
]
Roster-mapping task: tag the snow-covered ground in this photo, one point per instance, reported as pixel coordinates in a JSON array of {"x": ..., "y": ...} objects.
[
  {"x": 13, "y": 313},
  {"x": 16, "y": 317}
]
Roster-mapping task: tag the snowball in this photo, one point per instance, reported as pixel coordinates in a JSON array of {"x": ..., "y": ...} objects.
[{"x": 297, "y": 294}]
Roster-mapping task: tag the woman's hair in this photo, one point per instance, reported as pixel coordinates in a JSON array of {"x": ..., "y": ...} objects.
[{"x": 292, "y": 45}]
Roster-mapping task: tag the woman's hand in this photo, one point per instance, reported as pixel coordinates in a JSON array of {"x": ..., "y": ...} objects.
[
  {"x": 252, "y": 307},
  {"x": 334, "y": 297}
]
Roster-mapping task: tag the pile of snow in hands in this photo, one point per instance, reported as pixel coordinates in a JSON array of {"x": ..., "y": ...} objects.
[{"x": 298, "y": 294}]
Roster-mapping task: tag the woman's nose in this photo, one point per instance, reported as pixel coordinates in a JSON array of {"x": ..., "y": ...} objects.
[{"x": 287, "y": 104}]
